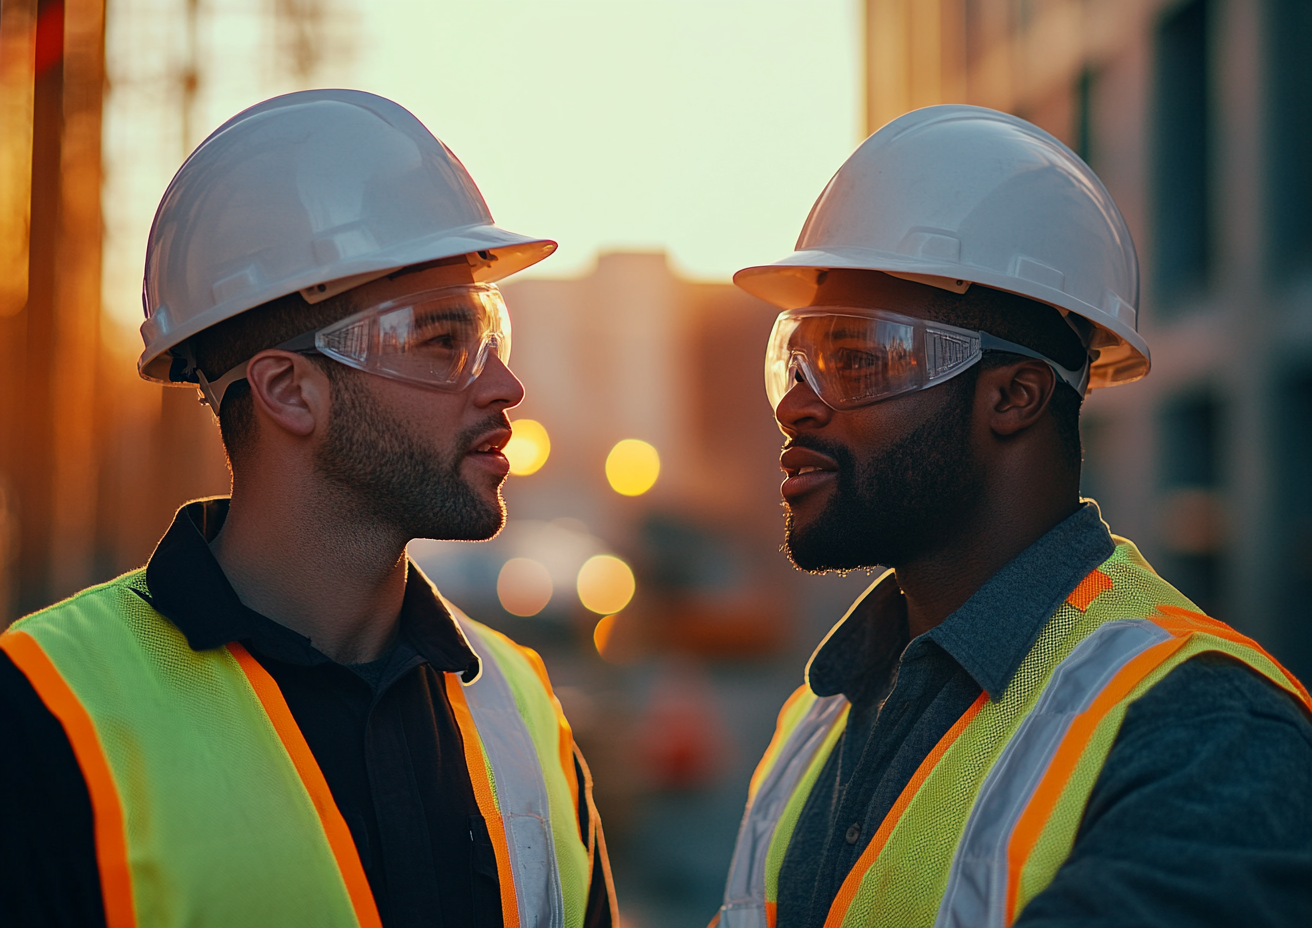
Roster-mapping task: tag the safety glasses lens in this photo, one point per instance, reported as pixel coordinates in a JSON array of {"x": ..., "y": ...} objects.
[
  {"x": 848, "y": 360},
  {"x": 440, "y": 338}
]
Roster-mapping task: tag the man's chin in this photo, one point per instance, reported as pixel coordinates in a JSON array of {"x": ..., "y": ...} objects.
[
  {"x": 478, "y": 519},
  {"x": 817, "y": 551}
]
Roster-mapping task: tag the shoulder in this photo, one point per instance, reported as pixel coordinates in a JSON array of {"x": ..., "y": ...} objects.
[
  {"x": 113, "y": 596},
  {"x": 1213, "y": 687},
  {"x": 22, "y": 653},
  {"x": 1202, "y": 813},
  {"x": 1214, "y": 733}
]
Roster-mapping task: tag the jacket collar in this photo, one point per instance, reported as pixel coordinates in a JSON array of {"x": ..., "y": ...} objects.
[{"x": 187, "y": 586}]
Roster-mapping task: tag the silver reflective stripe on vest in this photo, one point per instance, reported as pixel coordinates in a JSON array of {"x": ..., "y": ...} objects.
[
  {"x": 520, "y": 788},
  {"x": 744, "y": 895},
  {"x": 976, "y": 894}
]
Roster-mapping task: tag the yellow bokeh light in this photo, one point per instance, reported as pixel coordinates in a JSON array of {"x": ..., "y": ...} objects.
[
  {"x": 523, "y": 586},
  {"x": 528, "y": 448},
  {"x": 605, "y": 584},
  {"x": 632, "y": 467}
]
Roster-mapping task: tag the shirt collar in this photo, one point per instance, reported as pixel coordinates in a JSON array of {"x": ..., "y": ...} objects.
[
  {"x": 187, "y": 585},
  {"x": 989, "y": 635}
]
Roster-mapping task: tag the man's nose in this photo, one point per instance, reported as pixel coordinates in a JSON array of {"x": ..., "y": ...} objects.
[
  {"x": 801, "y": 407},
  {"x": 497, "y": 385}
]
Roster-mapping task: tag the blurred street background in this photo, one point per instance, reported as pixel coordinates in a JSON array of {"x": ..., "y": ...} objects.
[{"x": 665, "y": 144}]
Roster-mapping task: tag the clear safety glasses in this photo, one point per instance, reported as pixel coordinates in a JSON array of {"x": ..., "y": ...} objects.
[
  {"x": 439, "y": 338},
  {"x": 855, "y": 357},
  {"x": 436, "y": 338}
]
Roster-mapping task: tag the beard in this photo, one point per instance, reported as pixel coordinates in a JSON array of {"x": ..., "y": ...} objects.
[
  {"x": 887, "y": 510},
  {"x": 398, "y": 482}
]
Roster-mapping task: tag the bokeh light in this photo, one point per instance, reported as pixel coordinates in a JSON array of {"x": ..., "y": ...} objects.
[
  {"x": 605, "y": 584},
  {"x": 632, "y": 467},
  {"x": 601, "y": 634},
  {"x": 523, "y": 586},
  {"x": 528, "y": 448}
]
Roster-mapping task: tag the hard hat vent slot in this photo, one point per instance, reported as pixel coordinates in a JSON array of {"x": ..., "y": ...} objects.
[
  {"x": 1037, "y": 272},
  {"x": 1113, "y": 305},
  {"x": 234, "y": 285},
  {"x": 931, "y": 243},
  {"x": 343, "y": 244}
]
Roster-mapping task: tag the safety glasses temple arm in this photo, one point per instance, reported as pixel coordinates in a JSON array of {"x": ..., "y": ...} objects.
[
  {"x": 211, "y": 391},
  {"x": 1078, "y": 378}
]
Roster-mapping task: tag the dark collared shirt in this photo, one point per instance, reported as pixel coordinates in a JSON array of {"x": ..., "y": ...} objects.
[
  {"x": 1202, "y": 814},
  {"x": 383, "y": 735}
]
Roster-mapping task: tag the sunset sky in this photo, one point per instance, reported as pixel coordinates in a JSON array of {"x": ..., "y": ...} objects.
[{"x": 703, "y": 127}]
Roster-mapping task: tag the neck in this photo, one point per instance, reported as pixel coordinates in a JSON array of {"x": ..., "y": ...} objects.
[
  {"x": 1005, "y": 522},
  {"x": 314, "y": 563}
]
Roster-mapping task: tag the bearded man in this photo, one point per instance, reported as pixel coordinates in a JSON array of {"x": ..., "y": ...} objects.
[
  {"x": 279, "y": 721},
  {"x": 1020, "y": 722}
]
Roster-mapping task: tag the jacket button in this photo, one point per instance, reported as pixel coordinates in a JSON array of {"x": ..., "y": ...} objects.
[{"x": 853, "y": 833}]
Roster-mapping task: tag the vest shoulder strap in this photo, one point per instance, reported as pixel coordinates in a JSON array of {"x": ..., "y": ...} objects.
[
  {"x": 809, "y": 727},
  {"x": 520, "y": 752},
  {"x": 1023, "y": 823}
]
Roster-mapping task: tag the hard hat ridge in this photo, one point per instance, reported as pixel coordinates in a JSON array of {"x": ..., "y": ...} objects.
[
  {"x": 317, "y": 192},
  {"x": 956, "y": 195}
]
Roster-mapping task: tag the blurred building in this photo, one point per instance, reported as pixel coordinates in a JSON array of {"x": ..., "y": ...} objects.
[
  {"x": 99, "y": 104},
  {"x": 76, "y": 477},
  {"x": 1197, "y": 115}
]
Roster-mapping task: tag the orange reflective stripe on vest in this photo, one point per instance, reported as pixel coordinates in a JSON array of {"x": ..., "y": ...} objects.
[
  {"x": 847, "y": 892},
  {"x": 487, "y": 803},
  {"x": 106, "y": 809},
  {"x": 520, "y": 817},
  {"x": 334, "y": 826}
]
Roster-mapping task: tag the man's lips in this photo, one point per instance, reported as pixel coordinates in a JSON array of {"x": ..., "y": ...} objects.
[
  {"x": 487, "y": 451},
  {"x": 491, "y": 442},
  {"x": 806, "y": 470}
]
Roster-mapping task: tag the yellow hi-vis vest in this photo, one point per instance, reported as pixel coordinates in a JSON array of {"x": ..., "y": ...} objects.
[
  {"x": 992, "y": 812},
  {"x": 210, "y": 809}
]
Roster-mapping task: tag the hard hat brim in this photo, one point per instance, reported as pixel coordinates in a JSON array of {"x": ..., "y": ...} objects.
[
  {"x": 509, "y": 253},
  {"x": 790, "y": 283}
]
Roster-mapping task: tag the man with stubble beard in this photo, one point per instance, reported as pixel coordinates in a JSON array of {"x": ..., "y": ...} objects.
[
  {"x": 1020, "y": 722},
  {"x": 278, "y": 721}
]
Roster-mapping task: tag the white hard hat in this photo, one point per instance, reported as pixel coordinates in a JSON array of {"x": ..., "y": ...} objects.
[
  {"x": 316, "y": 192},
  {"x": 956, "y": 195}
]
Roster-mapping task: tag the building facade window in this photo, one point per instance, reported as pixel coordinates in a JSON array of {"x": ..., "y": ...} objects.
[
  {"x": 1289, "y": 136},
  {"x": 1294, "y": 517},
  {"x": 1189, "y": 529},
  {"x": 1181, "y": 156}
]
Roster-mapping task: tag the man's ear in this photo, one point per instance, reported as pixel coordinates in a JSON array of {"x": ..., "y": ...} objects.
[
  {"x": 1016, "y": 395},
  {"x": 289, "y": 390}
]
